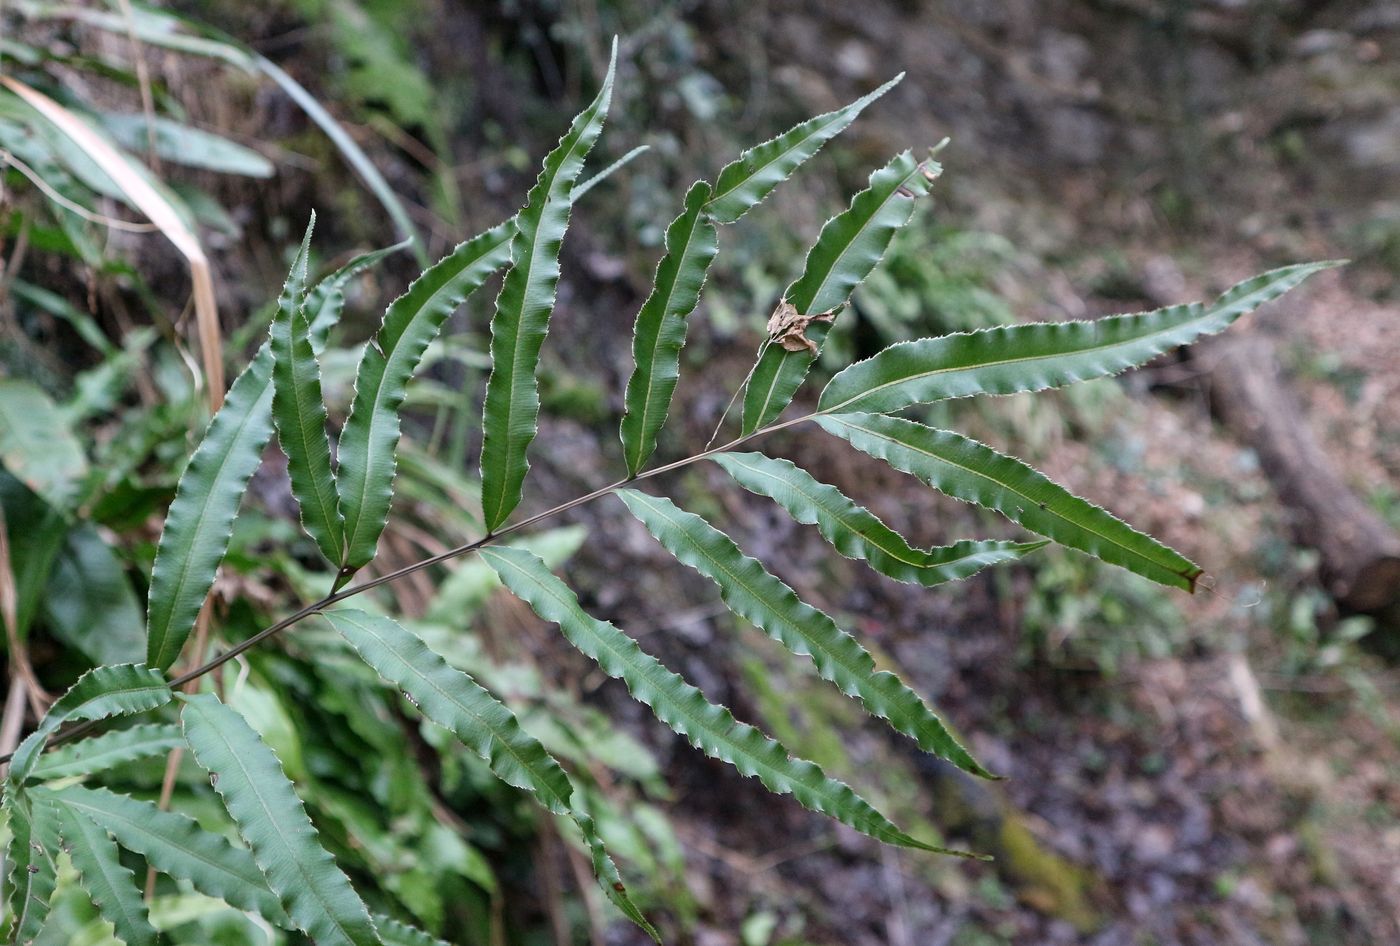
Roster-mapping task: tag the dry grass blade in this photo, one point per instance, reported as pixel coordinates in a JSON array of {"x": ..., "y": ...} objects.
[
  {"x": 143, "y": 81},
  {"x": 155, "y": 206},
  {"x": 22, "y": 677}
]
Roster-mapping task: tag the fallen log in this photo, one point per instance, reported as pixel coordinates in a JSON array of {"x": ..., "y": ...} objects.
[{"x": 1360, "y": 553}]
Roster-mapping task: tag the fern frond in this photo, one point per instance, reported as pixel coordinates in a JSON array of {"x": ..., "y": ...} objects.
[
  {"x": 975, "y": 473},
  {"x": 753, "y": 175},
  {"x": 1032, "y": 357},
  {"x": 108, "y": 882},
  {"x": 100, "y": 753},
  {"x": 510, "y": 414},
  {"x": 856, "y": 532},
  {"x": 710, "y": 728},
  {"x": 751, "y": 592},
  {"x": 847, "y": 249},
  {"x": 113, "y": 690},
  {"x": 312, "y": 889},
  {"x": 659, "y": 335},
  {"x": 179, "y": 847}
]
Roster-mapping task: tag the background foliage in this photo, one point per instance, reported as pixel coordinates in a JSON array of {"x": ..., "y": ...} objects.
[{"x": 1101, "y": 651}]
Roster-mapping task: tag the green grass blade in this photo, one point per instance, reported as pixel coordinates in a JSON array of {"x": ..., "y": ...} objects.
[
  {"x": 109, "y": 750},
  {"x": 848, "y": 248},
  {"x": 151, "y": 27},
  {"x": 313, "y": 890},
  {"x": 691, "y": 245},
  {"x": 370, "y": 438},
  {"x": 111, "y": 885},
  {"x": 116, "y": 690},
  {"x": 751, "y": 592},
  {"x": 710, "y": 728},
  {"x": 1033, "y": 357},
  {"x": 354, "y": 155},
  {"x": 177, "y": 846},
  {"x": 856, "y": 532},
  {"x": 32, "y": 859},
  {"x": 455, "y": 701},
  {"x": 511, "y": 412},
  {"x": 184, "y": 144},
  {"x": 975, "y": 473},
  {"x": 299, "y": 413},
  {"x": 200, "y": 521},
  {"x": 750, "y": 178}
]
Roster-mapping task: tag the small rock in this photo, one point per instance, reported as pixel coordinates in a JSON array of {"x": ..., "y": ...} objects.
[
  {"x": 854, "y": 60},
  {"x": 1154, "y": 844},
  {"x": 1317, "y": 42}
]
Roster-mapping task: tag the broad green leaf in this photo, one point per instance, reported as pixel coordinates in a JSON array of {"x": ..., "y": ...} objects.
[
  {"x": 369, "y": 440},
  {"x": 299, "y": 413},
  {"x": 179, "y": 847},
  {"x": 67, "y": 153},
  {"x": 975, "y": 473},
  {"x": 185, "y": 145},
  {"x": 459, "y": 704},
  {"x": 856, "y": 532},
  {"x": 200, "y": 521},
  {"x": 849, "y": 246},
  {"x": 523, "y": 308},
  {"x": 88, "y": 602},
  {"x": 710, "y": 728},
  {"x": 747, "y": 180},
  {"x": 117, "y": 690},
  {"x": 100, "y": 753},
  {"x": 691, "y": 245},
  {"x": 757, "y": 596},
  {"x": 313, "y": 890},
  {"x": 82, "y": 322},
  {"x": 111, "y": 886},
  {"x": 32, "y": 859},
  {"x": 163, "y": 29},
  {"x": 1033, "y": 357},
  {"x": 37, "y": 446}
]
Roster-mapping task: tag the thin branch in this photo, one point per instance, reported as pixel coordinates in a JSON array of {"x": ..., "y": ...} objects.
[
  {"x": 317, "y": 606},
  {"x": 738, "y": 391}
]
